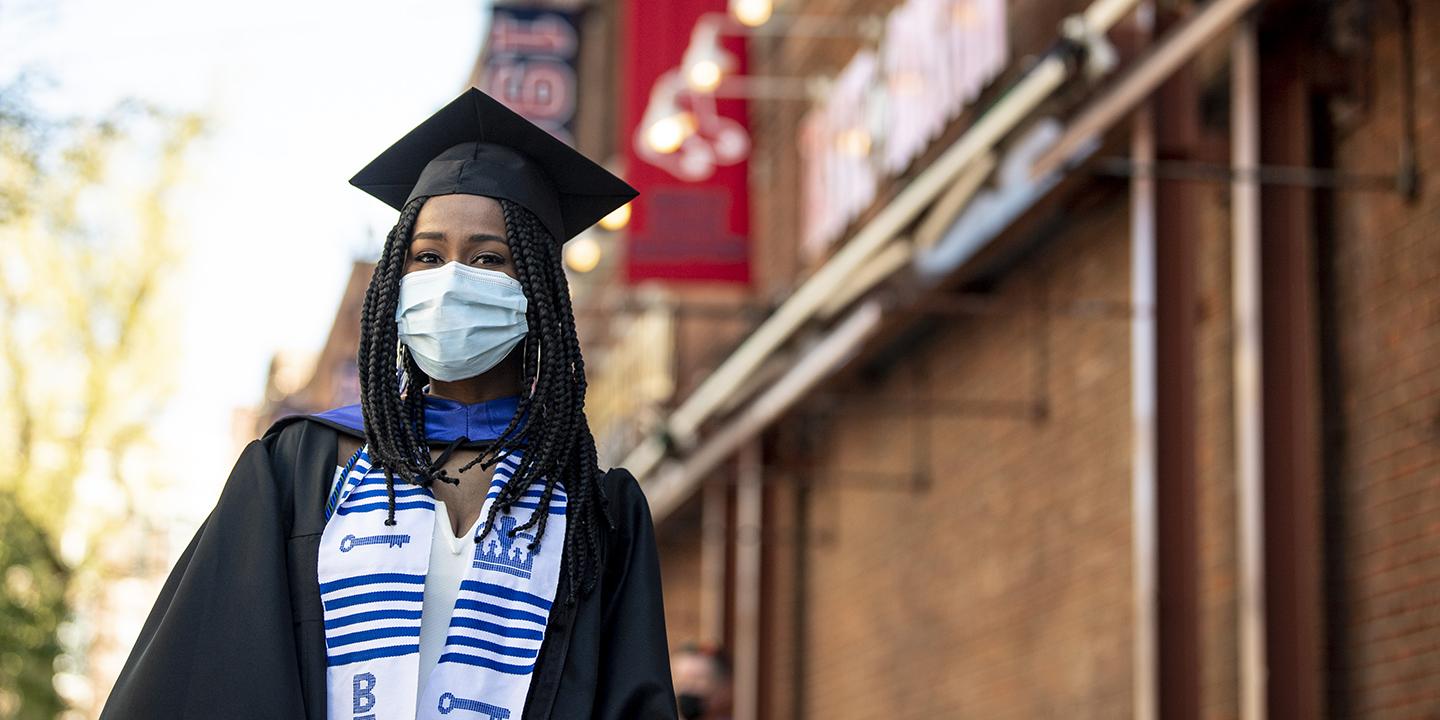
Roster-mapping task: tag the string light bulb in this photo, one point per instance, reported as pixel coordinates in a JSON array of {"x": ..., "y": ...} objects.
[
  {"x": 582, "y": 254},
  {"x": 617, "y": 219},
  {"x": 705, "y": 63},
  {"x": 704, "y": 76},
  {"x": 667, "y": 134},
  {"x": 752, "y": 13},
  {"x": 666, "y": 126}
]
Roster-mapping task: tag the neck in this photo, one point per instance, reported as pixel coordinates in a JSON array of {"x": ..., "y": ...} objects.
[{"x": 503, "y": 380}]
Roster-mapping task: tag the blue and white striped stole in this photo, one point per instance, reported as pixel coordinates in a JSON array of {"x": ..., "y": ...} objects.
[{"x": 372, "y": 580}]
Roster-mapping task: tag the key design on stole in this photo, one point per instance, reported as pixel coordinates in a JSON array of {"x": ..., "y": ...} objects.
[
  {"x": 449, "y": 703},
  {"x": 350, "y": 542}
]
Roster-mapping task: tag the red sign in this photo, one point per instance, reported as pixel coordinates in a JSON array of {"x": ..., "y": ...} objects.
[
  {"x": 529, "y": 65},
  {"x": 692, "y": 219}
]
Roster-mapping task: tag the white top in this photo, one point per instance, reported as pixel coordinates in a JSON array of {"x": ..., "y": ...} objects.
[{"x": 450, "y": 559}]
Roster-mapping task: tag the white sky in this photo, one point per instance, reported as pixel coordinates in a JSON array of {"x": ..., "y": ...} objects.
[{"x": 300, "y": 95}]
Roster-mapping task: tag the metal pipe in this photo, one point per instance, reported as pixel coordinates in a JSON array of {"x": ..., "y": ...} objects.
[
  {"x": 713, "y": 539},
  {"x": 1245, "y": 292},
  {"x": 670, "y": 487},
  {"x": 942, "y": 215},
  {"x": 1173, "y": 51},
  {"x": 1178, "y": 133},
  {"x": 895, "y": 256},
  {"x": 800, "y": 609},
  {"x": 1143, "y": 412},
  {"x": 1307, "y": 177},
  {"x": 749, "y": 506}
]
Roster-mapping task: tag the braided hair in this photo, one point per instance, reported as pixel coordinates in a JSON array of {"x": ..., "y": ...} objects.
[{"x": 549, "y": 421}]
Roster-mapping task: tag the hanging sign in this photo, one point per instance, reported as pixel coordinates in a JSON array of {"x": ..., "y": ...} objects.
[
  {"x": 686, "y": 153},
  {"x": 529, "y": 65},
  {"x": 886, "y": 108}
]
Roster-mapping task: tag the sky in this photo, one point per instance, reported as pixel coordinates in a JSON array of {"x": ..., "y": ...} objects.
[{"x": 299, "y": 96}]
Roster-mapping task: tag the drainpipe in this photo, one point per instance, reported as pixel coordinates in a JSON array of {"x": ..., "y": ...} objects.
[
  {"x": 749, "y": 503},
  {"x": 1249, "y": 451},
  {"x": 1143, "y": 511},
  {"x": 713, "y": 532}
]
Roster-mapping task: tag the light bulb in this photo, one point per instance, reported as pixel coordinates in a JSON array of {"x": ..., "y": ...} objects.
[
  {"x": 854, "y": 142},
  {"x": 752, "y": 13},
  {"x": 704, "y": 76},
  {"x": 705, "y": 62},
  {"x": 667, "y": 134},
  {"x": 582, "y": 254},
  {"x": 965, "y": 14},
  {"x": 617, "y": 219}
]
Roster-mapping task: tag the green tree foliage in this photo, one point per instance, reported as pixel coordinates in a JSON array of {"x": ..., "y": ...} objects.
[
  {"x": 85, "y": 346},
  {"x": 32, "y": 605}
]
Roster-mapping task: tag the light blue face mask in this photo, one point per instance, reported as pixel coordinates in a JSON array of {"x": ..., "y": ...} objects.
[{"x": 459, "y": 321}]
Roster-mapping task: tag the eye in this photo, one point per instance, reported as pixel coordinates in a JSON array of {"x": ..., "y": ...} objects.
[
  {"x": 427, "y": 257},
  {"x": 489, "y": 258}
]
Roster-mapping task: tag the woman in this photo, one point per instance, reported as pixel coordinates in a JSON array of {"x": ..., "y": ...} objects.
[{"x": 449, "y": 546}]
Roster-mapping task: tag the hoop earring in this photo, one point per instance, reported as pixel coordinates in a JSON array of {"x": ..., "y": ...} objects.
[
  {"x": 402, "y": 378},
  {"x": 539, "y": 350},
  {"x": 402, "y": 372}
]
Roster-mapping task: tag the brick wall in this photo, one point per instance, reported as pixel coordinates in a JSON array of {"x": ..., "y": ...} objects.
[
  {"x": 1386, "y": 302},
  {"x": 1000, "y": 587},
  {"x": 1217, "y": 607},
  {"x": 679, "y": 546}
]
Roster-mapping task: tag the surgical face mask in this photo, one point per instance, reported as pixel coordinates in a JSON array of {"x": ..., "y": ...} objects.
[{"x": 459, "y": 321}]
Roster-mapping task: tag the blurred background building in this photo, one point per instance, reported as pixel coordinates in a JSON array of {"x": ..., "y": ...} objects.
[
  {"x": 1083, "y": 365},
  {"x": 1016, "y": 359},
  {"x": 1004, "y": 358}
]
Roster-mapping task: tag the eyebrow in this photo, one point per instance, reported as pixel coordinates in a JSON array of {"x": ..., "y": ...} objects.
[{"x": 477, "y": 237}]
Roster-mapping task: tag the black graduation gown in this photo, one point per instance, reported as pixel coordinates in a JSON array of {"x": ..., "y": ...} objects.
[{"x": 237, "y": 631}]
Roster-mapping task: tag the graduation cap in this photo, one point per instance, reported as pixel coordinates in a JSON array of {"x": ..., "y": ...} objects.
[{"x": 477, "y": 146}]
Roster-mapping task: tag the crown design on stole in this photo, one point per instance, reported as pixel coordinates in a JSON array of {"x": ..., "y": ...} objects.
[{"x": 503, "y": 553}]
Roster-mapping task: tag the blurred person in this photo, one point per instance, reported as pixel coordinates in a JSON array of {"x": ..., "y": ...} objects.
[
  {"x": 449, "y": 544},
  {"x": 702, "y": 682}
]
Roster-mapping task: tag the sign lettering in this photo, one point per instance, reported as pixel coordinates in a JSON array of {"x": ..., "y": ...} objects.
[
  {"x": 885, "y": 110},
  {"x": 529, "y": 65}
]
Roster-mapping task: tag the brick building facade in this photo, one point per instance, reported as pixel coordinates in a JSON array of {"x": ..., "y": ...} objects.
[
  {"x": 948, "y": 525},
  {"x": 1382, "y": 470}
]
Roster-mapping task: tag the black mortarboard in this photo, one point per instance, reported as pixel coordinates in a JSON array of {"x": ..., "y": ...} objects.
[{"x": 477, "y": 146}]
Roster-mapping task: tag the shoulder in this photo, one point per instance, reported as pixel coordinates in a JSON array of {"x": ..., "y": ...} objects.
[
  {"x": 622, "y": 490},
  {"x": 341, "y": 423},
  {"x": 291, "y": 435},
  {"x": 302, "y": 454},
  {"x": 618, "y": 480},
  {"x": 628, "y": 507}
]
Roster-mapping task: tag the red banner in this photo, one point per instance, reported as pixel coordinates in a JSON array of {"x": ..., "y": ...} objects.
[{"x": 686, "y": 150}]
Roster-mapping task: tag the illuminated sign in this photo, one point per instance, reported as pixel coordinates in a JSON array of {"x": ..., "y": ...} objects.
[
  {"x": 688, "y": 153},
  {"x": 529, "y": 65},
  {"x": 706, "y": 141},
  {"x": 887, "y": 107}
]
